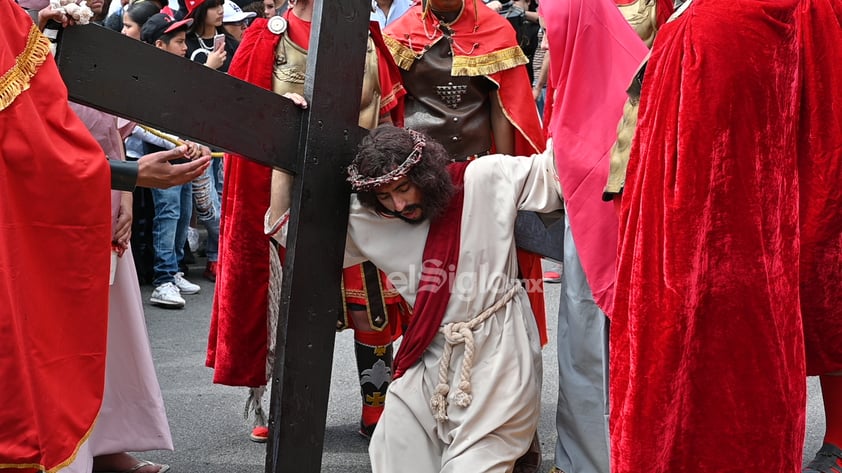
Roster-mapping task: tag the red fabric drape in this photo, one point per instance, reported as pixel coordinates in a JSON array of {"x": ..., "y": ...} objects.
[
  {"x": 443, "y": 243},
  {"x": 55, "y": 240},
  {"x": 237, "y": 344},
  {"x": 820, "y": 171},
  {"x": 594, "y": 55},
  {"x": 729, "y": 187},
  {"x": 663, "y": 10}
]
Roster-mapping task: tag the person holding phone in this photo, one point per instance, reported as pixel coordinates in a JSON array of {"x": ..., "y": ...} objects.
[{"x": 207, "y": 42}]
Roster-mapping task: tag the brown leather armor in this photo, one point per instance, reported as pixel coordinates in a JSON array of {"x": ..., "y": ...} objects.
[{"x": 455, "y": 111}]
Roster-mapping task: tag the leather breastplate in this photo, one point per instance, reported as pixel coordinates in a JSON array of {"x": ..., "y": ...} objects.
[
  {"x": 455, "y": 111},
  {"x": 291, "y": 66}
]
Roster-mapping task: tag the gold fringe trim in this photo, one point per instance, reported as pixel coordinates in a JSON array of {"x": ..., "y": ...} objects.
[
  {"x": 484, "y": 65},
  {"x": 16, "y": 80},
  {"x": 490, "y": 63},
  {"x": 65, "y": 463},
  {"x": 404, "y": 57},
  {"x": 391, "y": 97}
]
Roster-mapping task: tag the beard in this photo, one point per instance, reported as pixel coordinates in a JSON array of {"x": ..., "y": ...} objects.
[{"x": 408, "y": 210}]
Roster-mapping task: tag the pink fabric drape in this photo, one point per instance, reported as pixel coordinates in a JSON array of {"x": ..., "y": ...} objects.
[{"x": 595, "y": 53}]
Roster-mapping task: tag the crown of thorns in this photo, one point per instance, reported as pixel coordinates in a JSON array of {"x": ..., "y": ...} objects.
[{"x": 362, "y": 183}]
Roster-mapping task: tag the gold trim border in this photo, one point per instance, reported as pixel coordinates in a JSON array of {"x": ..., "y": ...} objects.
[
  {"x": 16, "y": 80},
  {"x": 483, "y": 65},
  {"x": 490, "y": 63}
]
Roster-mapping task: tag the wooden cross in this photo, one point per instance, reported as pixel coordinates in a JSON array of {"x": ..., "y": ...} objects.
[{"x": 127, "y": 78}]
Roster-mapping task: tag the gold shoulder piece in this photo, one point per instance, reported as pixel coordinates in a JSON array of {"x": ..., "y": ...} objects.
[
  {"x": 404, "y": 57},
  {"x": 16, "y": 79},
  {"x": 489, "y": 63}
]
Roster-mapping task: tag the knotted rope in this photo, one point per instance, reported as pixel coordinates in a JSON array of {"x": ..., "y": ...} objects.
[{"x": 456, "y": 333}]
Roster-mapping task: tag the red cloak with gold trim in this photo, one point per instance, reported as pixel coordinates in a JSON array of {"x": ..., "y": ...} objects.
[
  {"x": 55, "y": 219},
  {"x": 237, "y": 342}
]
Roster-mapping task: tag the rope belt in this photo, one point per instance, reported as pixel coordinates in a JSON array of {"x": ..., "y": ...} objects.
[{"x": 456, "y": 333}]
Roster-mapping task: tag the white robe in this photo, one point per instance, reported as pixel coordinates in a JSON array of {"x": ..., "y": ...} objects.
[{"x": 498, "y": 426}]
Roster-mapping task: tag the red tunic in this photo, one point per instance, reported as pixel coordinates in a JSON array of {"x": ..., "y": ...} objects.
[
  {"x": 55, "y": 240},
  {"x": 737, "y": 151},
  {"x": 237, "y": 343}
]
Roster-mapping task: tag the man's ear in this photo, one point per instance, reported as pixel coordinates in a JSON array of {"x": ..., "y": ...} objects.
[{"x": 160, "y": 44}]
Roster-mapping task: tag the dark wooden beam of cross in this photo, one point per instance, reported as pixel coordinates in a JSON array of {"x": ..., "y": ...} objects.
[
  {"x": 109, "y": 72},
  {"x": 117, "y": 74}
]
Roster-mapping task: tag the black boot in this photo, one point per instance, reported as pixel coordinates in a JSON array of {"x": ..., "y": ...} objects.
[{"x": 374, "y": 364}]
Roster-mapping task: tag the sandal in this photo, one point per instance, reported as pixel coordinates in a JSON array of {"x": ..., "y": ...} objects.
[
  {"x": 139, "y": 465},
  {"x": 826, "y": 461}
]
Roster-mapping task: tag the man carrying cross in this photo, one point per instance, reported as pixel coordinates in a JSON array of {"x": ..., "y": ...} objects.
[{"x": 445, "y": 236}]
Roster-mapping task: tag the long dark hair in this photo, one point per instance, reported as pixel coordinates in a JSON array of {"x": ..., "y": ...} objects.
[
  {"x": 201, "y": 13},
  {"x": 140, "y": 12},
  {"x": 385, "y": 148}
]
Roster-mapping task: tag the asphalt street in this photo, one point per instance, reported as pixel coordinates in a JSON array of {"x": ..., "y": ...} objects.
[{"x": 206, "y": 420}]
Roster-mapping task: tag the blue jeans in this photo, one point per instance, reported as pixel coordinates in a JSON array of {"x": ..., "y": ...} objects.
[
  {"x": 173, "y": 208},
  {"x": 208, "y": 208}
]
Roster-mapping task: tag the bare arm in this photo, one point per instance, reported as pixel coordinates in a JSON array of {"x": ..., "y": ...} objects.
[
  {"x": 504, "y": 132},
  {"x": 541, "y": 80}
]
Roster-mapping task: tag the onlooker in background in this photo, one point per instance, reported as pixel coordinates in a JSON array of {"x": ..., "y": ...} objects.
[
  {"x": 208, "y": 16},
  {"x": 255, "y": 7},
  {"x": 135, "y": 15},
  {"x": 173, "y": 206},
  {"x": 207, "y": 23},
  {"x": 114, "y": 19},
  {"x": 235, "y": 20},
  {"x": 523, "y": 16},
  {"x": 275, "y": 7},
  {"x": 387, "y": 11},
  {"x": 540, "y": 70}
]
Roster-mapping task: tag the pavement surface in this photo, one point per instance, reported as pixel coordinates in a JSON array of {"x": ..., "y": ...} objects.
[{"x": 206, "y": 420}]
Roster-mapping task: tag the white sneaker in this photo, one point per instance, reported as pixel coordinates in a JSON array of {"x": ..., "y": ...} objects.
[
  {"x": 185, "y": 286},
  {"x": 167, "y": 295}
]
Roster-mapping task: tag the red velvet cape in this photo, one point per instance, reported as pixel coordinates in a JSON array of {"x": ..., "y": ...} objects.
[
  {"x": 237, "y": 345},
  {"x": 707, "y": 346},
  {"x": 55, "y": 222},
  {"x": 820, "y": 172}
]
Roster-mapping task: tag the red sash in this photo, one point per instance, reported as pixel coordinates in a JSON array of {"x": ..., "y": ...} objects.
[{"x": 442, "y": 245}]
